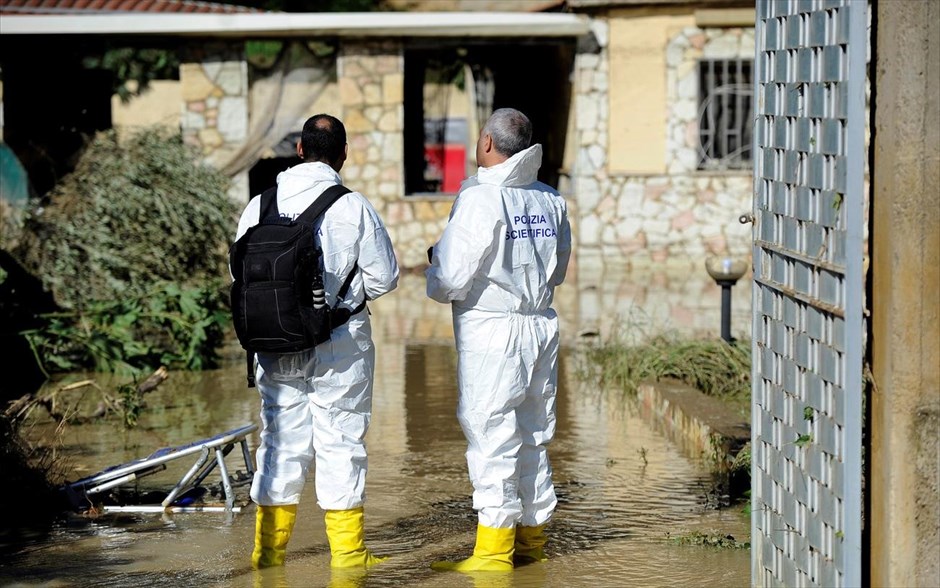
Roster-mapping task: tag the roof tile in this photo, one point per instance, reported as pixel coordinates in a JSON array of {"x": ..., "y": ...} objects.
[{"x": 78, "y": 7}]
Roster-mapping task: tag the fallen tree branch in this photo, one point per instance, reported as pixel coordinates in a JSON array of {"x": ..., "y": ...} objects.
[
  {"x": 20, "y": 408},
  {"x": 154, "y": 380}
]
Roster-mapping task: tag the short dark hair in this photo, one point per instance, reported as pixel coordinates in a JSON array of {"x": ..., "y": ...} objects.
[{"x": 323, "y": 139}]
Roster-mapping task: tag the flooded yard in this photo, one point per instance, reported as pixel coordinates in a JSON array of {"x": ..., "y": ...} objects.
[{"x": 624, "y": 491}]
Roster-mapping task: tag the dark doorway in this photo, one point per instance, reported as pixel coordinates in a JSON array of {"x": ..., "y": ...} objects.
[
  {"x": 536, "y": 80},
  {"x": 264, "y": 173}
]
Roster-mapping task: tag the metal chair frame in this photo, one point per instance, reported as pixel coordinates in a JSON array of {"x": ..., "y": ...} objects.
[{"x": 211, "y": 455}]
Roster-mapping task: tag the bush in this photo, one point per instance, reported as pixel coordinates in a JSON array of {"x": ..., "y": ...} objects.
[
  {"x": 170, "y": 326},
  {"x": 135, "y": 213},
  {"x": 133, "y": 247}
]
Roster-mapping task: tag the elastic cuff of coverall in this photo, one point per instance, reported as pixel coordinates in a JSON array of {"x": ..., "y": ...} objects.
[
  {"x": 345, "y": 504},
  {"x": 498, "y": 521},
  {"x": 271, "y": 497},
  {"x": 534, "y": 520}
]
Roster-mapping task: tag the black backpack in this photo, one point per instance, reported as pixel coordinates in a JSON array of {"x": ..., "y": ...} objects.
[{"x": 276, "y": 266}]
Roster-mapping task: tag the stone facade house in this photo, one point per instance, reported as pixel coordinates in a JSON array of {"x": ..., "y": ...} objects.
[{"x": 643, "y": 108}]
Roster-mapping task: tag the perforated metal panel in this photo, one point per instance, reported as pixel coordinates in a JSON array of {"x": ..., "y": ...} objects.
[{"x": 809, "y": 153}]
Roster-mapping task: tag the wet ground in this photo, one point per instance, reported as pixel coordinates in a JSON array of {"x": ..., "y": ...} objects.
[{"x": 624, "y": 491}]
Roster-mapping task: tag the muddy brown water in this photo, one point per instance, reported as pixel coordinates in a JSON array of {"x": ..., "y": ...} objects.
[{"x": 624, "y": 491}]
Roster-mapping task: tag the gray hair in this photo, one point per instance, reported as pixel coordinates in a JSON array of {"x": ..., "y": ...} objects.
[{"x": 510, "y": 129}]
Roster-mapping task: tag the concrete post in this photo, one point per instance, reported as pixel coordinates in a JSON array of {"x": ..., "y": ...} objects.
[{"x": 904, "y": 522}]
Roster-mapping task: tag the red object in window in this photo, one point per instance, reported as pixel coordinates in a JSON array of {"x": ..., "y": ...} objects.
[{"x": 447, "y": 164}]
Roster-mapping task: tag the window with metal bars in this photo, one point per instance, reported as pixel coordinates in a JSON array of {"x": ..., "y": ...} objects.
[{"x": 725, "y": 114}]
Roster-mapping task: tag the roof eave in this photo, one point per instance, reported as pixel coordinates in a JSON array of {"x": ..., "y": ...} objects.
[{"x": 335, "y": 24}]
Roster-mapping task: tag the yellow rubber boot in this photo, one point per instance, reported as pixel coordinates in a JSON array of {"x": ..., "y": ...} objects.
[
  {"x": 492, "y": 553},
  {"x": 529, "y": 545},
  {"x": 344, "y": 529},
  {"x": 273, "y": 527}
]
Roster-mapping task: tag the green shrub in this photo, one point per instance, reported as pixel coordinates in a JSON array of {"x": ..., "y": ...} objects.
[
  {"x": 133, "y": 247},
  {"x": 710, "y": 538},
  {"x": 170, "y": 326},
  {"x": 134, "y": 214}
]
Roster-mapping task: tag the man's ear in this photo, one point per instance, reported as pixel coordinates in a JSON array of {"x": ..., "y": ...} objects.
[
  {"x": 487, "y": 143},
  {"x": 300, "y": 149}
]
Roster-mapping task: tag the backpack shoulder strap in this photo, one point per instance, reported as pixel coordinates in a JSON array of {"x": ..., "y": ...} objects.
[
  {"x": 324, "y": 201},
  {"x": 250, "y": 365},
  {"x": 268, "y": 204}
]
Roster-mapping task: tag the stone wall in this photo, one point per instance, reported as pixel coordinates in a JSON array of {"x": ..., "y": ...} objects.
[
  {"x": 371, "y": 85},
  {"x": 214, "y": 82},
  {"x": 671, "y": 220},
  {"x": 158, "y": 105}
]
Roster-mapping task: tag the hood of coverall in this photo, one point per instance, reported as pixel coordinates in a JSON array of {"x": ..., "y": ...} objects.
[
  {"x": 519, "y": 170},
  {"x": 295, "y": 181}
]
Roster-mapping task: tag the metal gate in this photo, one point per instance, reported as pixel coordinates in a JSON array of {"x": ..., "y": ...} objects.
[{"x": 808, "y": 333}]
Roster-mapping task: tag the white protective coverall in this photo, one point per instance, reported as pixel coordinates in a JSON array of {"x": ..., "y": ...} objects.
[
  {"x": 505, "y": 248},
  {"x": 320, "y": 401}
]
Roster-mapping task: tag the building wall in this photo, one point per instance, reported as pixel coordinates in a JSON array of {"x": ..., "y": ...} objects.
[
  {"x": 635, "y": 195},
  {"x": 159, "y": 104},
  {"x": 637, "y": 92},
  {"x": 641, "y": 202},
  {"x": 214, "y": 89},
  {"x": 371, "y": 84}
]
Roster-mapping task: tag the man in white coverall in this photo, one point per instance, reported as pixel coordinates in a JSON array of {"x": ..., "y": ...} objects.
[
  {"x": 505, "y": 248},
  {"x": 319, "y": 402}
]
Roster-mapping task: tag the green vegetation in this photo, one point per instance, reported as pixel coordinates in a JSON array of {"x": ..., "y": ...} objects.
[
  {"x": 803, "y": 440},
  {"x": 742, "y": 461},
  {"x": 746, "y": 506},
  {"x": 134, "y": 213},
  {"x": 263, "y": 53},
  {"x": 133, "y": 68},
  {"x": 133, "y": 247},
  {"x": 713, "y": 366},
  {"x": 171, "y": 326}
]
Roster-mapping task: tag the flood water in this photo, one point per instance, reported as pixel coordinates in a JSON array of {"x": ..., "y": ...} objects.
[{"x": 624, "y": 490}]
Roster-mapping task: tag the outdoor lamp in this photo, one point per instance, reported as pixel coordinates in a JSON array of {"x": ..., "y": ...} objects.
[{"x": 726, "y": 271}]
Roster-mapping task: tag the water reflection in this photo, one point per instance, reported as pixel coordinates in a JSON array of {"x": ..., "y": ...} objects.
[
  {"x": 648, "y": 302},
  {"x": 621, "y": 486}
]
